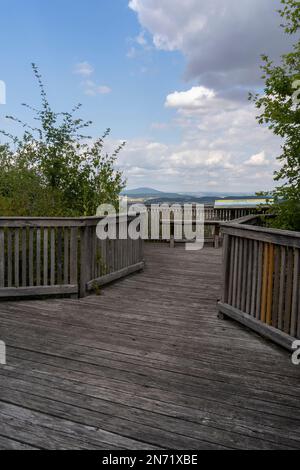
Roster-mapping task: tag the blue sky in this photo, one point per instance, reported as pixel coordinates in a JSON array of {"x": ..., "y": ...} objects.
[
  {"x": 169, "y": 77},
  {"x": 57, "y": 35}
]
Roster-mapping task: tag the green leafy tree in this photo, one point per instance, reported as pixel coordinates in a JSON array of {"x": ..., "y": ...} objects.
[
  {"x": 280, "y": 111},
  {"x": 66, "y": 172}
]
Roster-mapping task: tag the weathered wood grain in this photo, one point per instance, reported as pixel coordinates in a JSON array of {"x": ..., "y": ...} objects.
[{"x": 146, "y": 364}]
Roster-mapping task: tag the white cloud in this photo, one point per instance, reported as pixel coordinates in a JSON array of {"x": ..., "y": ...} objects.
[
  {"x": 193, "y": 98},
  {"x": 141, "y": 39},
  {"x": 104, "y": 89},
  {"x": 138, "y": 45},
  {"x": 84, "y": 69},
  {"x": 221, "y": 40},
  {"x": 220, "y": 143},
  {"x": 258, "y": 159},
  {"x": 92, "y": 89},
  {"x": 89, "y": 86}
]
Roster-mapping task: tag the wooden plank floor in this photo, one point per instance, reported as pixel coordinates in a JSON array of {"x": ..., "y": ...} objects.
[{"x": 145, "y": 365}]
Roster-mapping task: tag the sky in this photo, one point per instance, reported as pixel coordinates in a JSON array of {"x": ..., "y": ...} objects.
[{"x": 170, "y": 77}]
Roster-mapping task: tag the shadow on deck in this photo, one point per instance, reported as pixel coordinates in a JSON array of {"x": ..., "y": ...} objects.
[{"x": 147, "y": 364}]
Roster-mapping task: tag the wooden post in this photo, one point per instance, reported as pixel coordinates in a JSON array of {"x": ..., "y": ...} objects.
[
  {"x": 217, "y": 236},
  {"x": 226, "y": 266},
  {"x": 226, "y": 272},
  {"x": 172, "y": 242}
]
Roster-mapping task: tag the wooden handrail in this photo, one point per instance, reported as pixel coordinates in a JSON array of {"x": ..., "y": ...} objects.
[
  {"x": 47, "y": 256},
  {"x": 59, "y": 221},
  {"x": 261, "y": 279},
  {"x": 241, "y": 228}
]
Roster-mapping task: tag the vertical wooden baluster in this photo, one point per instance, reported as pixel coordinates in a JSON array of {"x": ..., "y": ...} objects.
[
  {"x": 2, "y": 258},
  {"x": 59, "y": 256},
  {"x": 118, "y": 247},
  {"x": 109, "y": 254},
  {"x": 74, "y": 256},
  {"x": 103, "y": 257},
  {"x": 24, "y": 257},
  {"x": 155, "y": 223},
  {"x": 121, "y": 245},
  {"x": 254, "y": 278},
  {"x": 244, "y": 255},
  {"x": 276, "y": 287},
  {"x": 264, "y": 284},
  {"x": 123, "y": 241},
  {"x": 270, "y": 285},
  {"x": 38, "y": 257},
  {"x": 288, "y": 291},
  {"x": 295, "y": 298},
  {"x": 216, "y": 236},
  {"x": 97, "y": 256},
  {"x": 235, "y": 272},
  {"x": 249, "y": 277},
  {"x": 231, "y": 268},
  {"x": 240, "y": 272},
  {"x": 101, "y": 247},
  {"x": 118, "y": 251},
  {"x": 125, "y": 251},
  {"x": 52, "y": 256},
  {"x": 30, "y": 257},
  {"x": 128, "y": 245},
  {"x": 132, "y": 253},
  {"x": 141, "y": 250},
  {"x": 282, "y": 288},
  {"x": 9, "y": 257},
  {"x": 66, "y": 255},
  {"x": 226, "y": 267},
  {"x": 46, "y": 254},
  {"x": 113, "y": 255},
  {"x": 17, "y": 258},
  {"x": 113, "y": 252},
  {"x": 94, "y": 253},
  {"x": 84, "y": 257},
  {"x": 259, "y": 279},
  {"x": 104, "y": 251}
]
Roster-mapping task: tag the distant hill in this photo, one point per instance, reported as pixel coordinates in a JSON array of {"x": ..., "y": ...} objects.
[
  {"x": 141, "y": 192},
  {"x": 150, "y": 195}
]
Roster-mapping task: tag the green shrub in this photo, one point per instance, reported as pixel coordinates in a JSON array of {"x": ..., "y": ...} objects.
[{"x": 54, "y": 169}]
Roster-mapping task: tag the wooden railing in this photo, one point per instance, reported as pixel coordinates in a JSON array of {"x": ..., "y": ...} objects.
[
  {"x": 212, "y": 220},
  {"x": 51, "y": 256},
  {"x": 104, "y": 261},
  {"x": 262, "y": 279},
  {"x": 224, "y": 215},
  {"x": 212, "y": 213}
]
